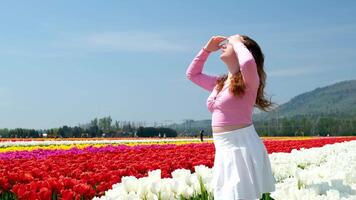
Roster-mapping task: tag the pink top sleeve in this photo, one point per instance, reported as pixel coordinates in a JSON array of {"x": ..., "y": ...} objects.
[
  {"x": 194, "y": 72},
  {"x": 248, "y": 65}
]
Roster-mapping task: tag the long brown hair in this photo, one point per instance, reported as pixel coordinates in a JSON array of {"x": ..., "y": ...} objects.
[{"x": 237, "y": 85}]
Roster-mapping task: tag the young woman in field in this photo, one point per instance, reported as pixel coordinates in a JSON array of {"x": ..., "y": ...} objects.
[{"x": 242, "y": 168}]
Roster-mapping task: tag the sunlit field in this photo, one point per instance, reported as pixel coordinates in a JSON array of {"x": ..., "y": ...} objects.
[{"x": 179, "y": 168}]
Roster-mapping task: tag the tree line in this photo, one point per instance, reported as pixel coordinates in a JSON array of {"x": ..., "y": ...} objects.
[
  {"x": 307, "y": 125},
  {"x": 300, "y": 125},
  {"x": 103, "y": 127}
]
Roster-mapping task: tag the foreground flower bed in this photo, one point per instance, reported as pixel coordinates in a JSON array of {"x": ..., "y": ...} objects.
[
  {"x": 326, "y": 173},
  {"x": 88, "y": 171},
  {"x": 182, "y": 185}
]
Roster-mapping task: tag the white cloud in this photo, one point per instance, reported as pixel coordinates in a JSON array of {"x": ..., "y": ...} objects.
[
  {"x": 126, "y": 41},
  {"x": 80, "y": 44},
  {"x": 32, "y": 53},
  {"x": 131, "y": 41}
]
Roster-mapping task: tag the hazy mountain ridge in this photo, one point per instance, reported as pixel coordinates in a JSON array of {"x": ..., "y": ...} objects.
[{"x": 338, "y": 99}]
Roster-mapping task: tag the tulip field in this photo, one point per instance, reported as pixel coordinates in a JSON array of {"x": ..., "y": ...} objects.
[{"x": 180, "y": 168}]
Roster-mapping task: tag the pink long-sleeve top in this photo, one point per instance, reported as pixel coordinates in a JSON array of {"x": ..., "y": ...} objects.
[{"x": 227, "y": 109}]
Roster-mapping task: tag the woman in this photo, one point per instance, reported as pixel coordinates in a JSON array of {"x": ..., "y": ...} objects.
[{"x": 242, "y": 168}]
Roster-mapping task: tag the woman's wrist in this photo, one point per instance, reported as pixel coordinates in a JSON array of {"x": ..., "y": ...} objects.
[{"x": 206, "y": 50}]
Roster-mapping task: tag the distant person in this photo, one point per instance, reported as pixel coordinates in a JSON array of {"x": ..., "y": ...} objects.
[
  {"x": 201, "y": 135},
  {"x": 242, "y": 168}
]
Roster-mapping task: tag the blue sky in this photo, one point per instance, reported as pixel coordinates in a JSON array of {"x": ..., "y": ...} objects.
[{"x": 67, "y": 62}]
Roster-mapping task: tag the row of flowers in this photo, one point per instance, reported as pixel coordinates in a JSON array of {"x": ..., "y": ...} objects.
[
  {"x": 325, "y": 173},
  {"x": 93, "y": 142},
  {"x": 79, "y": 139},
  {"x": 52, "y": 150},
  {"x": 50, "y": 141},
  {"x": 68, "y": 144},
  {"x": 135, "y": 138},
  {"x": 83, "y": 146},
  {"x": 89, "y": 172}
]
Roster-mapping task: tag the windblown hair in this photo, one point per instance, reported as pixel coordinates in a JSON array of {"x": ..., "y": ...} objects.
[{"x": 237, "y": 85}]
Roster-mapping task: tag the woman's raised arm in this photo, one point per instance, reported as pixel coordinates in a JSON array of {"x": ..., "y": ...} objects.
[
  {"x": 247, "y": 64},
  {"x": 195, "y": 74}
]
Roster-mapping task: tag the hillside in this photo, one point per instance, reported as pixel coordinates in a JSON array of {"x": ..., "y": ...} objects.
[{"x": 338, "y": 99}]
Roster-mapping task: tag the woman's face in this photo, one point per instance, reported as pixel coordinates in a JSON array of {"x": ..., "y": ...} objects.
[{"x": 227, "y": 53}]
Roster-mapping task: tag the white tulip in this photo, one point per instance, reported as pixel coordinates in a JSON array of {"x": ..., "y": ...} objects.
[
  {"x": 183, "y": 174},
  {"x": 333, "y": 194},
  {"x": 130, "y": 183},
  {"x": 166, "y": 195},
  {"x": 143, "y": 187},
  {"x": 132, "y": 196},
  {"x": 155, "y": 174},
  {"x": 151, "y": 196},
  {"x": 195, "y": 183},
  {"x": 155, "y": 186},
  {"x": 187, "y": 192},
  {"x": 116, "y": 193}
]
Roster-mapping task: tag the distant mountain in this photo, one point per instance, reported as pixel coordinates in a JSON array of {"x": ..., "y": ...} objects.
[{"x": 338, "y": 100}]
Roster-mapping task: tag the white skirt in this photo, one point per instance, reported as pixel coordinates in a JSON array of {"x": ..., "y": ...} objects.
[{"x": 242, "y": 169}]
